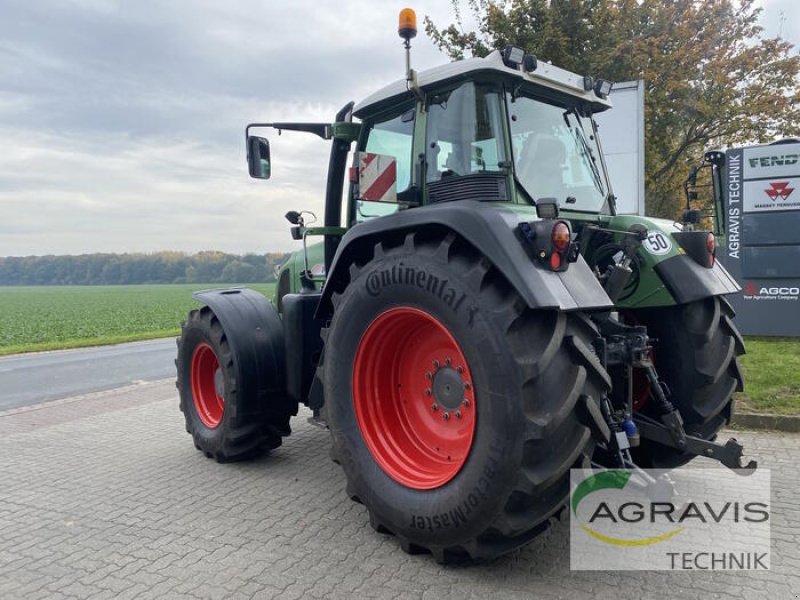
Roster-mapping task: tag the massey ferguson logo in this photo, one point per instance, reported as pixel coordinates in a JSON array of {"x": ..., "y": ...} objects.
[{"x": 780, "y": 190}]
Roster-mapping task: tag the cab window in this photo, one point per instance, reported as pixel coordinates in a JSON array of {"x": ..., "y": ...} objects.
[
  {"x": 464, "y": 134},
  {"x": 392, "y": 137}
]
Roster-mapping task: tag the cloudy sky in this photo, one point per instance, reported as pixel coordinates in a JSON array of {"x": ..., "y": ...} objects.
[{"x": 122, "y": 123}]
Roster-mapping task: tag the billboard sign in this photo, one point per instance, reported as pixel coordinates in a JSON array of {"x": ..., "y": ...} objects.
[{"x": 762, "y": 236}]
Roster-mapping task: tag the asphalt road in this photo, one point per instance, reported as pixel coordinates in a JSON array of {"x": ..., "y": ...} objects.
[{"x": 30, "y": 378}]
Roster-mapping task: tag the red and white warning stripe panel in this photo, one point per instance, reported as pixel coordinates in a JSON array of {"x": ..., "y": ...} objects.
[{"x": 377, "y": 177}]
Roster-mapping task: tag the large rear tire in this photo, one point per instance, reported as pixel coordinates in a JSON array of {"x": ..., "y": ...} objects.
[
  {"x": 695, "y": 352},
  {"x": 209, "y": 396},
  {"x": 454, "y": 407}
]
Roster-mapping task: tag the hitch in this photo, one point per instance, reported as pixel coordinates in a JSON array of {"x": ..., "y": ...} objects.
[
  {"x": 629, "y": 346},
  {"x": 670, "y": 432}
]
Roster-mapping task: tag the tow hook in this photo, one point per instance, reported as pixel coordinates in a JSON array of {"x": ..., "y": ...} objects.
[{"x": 670, "y": 432}]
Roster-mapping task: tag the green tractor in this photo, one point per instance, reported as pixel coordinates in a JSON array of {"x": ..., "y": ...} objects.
[{"x": 476, "y": 319}]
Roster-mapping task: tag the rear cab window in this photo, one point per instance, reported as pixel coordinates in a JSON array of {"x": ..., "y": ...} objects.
[{"x": 393, "y": 137}]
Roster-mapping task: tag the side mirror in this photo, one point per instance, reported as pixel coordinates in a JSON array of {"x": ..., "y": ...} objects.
[{"x": 258, "y": 163}]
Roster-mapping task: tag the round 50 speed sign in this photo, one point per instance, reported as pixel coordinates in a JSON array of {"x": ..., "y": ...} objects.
[{"x": 658, "y": 243}]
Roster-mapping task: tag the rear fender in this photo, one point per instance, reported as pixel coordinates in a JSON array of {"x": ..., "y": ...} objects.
[
  {"x": 255, "y": 336},
  {"x": 491, "y": 230},
  {"x": 668, "y": 267}
]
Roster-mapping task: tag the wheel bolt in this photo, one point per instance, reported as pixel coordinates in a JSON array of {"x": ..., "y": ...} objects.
[
  {"x": 429, "y": 375},
  {"x": 460, "y": 370},
  {"x": 466, "y": 402},
  {"x": 445, "y": 415},
  {"x": 467, "y": 385},
  {"x": 458, "y": 414},
  {"x": 448, "y": 362},
  {"x": 435, "y": 364},
  {"x": 434, "y": 407},
  {"x": 428, "y": 392}
]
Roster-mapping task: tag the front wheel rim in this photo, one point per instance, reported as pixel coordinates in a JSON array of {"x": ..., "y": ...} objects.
[
  {"x": 414, "y": 398},
  {"x": 207, "y": 392}
]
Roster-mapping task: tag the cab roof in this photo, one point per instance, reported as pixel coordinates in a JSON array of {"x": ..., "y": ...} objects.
[{"x": 546, "y": 75}]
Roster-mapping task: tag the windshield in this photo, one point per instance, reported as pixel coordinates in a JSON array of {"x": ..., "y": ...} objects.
[{"x": 556, "y": 154}]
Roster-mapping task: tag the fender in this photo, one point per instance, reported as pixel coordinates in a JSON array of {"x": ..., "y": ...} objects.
[
  {"x": 254, "y": 332},
  {"x": 687, "y": 279},
  {"x": 490, "y": 229}
]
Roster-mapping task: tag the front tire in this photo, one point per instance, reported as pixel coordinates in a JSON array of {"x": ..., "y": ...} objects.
[
  {"x": 209, "y": 396},
  {"x": 429, "y": 328}
]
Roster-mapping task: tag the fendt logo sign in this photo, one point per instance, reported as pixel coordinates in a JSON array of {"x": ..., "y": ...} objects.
[
  {"x": 779, "y": 190},
  {"x": 771, "y": 163},
  {"x": 781, "y": 160}
]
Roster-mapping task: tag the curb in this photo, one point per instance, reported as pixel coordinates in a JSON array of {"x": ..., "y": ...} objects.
[
  {"x": 96, "y": 395},
  {"x": 787, "y": 423}
]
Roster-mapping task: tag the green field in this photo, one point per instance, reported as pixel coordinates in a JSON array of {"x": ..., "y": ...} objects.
[{"x": 47, "y": 318}]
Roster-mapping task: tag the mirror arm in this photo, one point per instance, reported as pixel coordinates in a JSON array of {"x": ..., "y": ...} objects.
[{"x": 323, "y": 130}]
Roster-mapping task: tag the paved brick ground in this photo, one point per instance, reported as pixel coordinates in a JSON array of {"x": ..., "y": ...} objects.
[{"x": 104, "y": 496}]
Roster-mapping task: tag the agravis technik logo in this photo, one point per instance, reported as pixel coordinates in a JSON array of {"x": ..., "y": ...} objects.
[{"x": 688, "y": 519}]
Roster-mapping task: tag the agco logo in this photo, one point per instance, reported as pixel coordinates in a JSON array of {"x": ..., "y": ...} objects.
[
  {"x": 780, "y": 190},
  {"x": 751, "y": 289}
]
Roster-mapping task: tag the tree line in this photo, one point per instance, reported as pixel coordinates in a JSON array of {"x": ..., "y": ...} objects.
[
  {"x": 157, "y": 267},
  {"x": 713, "y": 77}
]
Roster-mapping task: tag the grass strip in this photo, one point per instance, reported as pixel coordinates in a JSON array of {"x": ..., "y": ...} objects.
[{"x": 771, "y": 376}]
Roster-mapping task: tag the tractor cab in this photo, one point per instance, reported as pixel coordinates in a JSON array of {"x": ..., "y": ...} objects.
[
  {"x": 494, "y": 129},
  {"x": 506, "y": 129}
]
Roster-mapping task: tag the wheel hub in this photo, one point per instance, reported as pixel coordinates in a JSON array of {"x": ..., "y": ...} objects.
[{"x": 448, "y": 388}]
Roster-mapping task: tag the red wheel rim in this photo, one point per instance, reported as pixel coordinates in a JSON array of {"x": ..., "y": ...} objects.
[
  {"x": 207, "y": 386},
  {"x": 414, "y": 399}
]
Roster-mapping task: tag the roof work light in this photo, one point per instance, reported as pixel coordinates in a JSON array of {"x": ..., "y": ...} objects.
[
  {"x": 512, "y": 56},
  {"x": 602, "y": 88}
]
